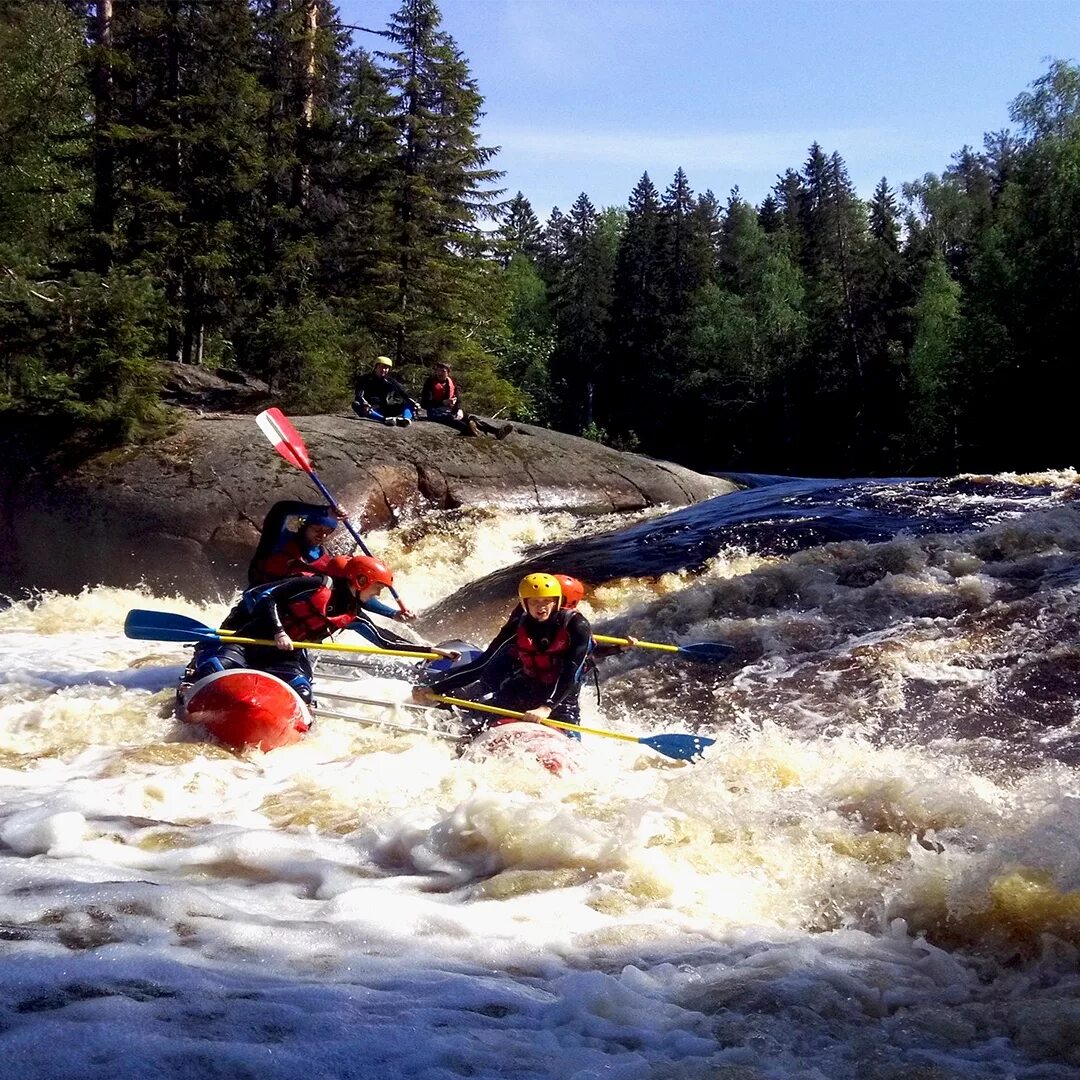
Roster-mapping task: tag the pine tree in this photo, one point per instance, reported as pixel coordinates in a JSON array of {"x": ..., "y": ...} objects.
[
  {"x": 525, "y": 355},
  {"x": 832, "y": 250},
  {"x": 769, "y": 214},
  {"x": 445, "y": 301},
  {"x": 1025, "y": 278},
  {"x": 289, "y": 327},
  {"x": 885, "y": 217},
  {"x": 689, "y": 254},
  {"x": 581, "y": 301},
  {"x": 43, "y": 192},
  {"x": 746, "y": 334},
  {"x": 43, "y": 188},
  {"x": 707, "y": 214},
  {"x": 885, "y": 300},
  {"x": 932, "y": 367},
  {"x": 519, "y": 230},
  {"x": 791, "y": 197},
  {"x": 639, "y": 308},
  {"x": 360, "y": 245},
  {"x": 553, "y": 245},
  {"x": 103, "y": 214},
  {"x": 184, "y": 105}
]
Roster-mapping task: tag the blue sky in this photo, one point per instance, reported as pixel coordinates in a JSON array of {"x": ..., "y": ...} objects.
[{"x": 586, "y": 95}]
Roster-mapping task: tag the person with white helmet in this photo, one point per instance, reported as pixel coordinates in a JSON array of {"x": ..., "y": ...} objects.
[
  {"x": 545, "y": 648},
  {"x": 379, "y": 396}
]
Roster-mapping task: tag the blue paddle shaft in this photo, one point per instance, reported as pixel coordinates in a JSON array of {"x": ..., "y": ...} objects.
[{"x": 348, "y": 524}]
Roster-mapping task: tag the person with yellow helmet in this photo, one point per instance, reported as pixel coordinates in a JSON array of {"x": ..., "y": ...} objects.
[
  {"x": 379, "y": 396},
  {"x": 543, "y": 648}
]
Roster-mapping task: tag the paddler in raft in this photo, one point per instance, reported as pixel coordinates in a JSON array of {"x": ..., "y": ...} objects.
[
  {"x": 573, "y": 592},
  {"x": 543, "y": 649},
  {"x": 283, "y": 553},
  {"x": 307, "y": 607}
]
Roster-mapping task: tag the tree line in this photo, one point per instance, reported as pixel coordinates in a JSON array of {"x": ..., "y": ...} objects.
[{"x": 241, "y": 184}]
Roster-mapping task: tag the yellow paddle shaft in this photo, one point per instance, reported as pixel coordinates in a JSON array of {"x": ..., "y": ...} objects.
[
  {"x": 328, "y": 646},
  {"x": 497, "y": 711},
  {"x": 604, "y": 640}
]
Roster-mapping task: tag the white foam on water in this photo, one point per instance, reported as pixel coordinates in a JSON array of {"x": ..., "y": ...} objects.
[{"x": 818, "y": 897}]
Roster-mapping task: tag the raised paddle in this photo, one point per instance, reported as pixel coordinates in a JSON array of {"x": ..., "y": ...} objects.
[
  {"x": 707, "y": 651},
  {"x": 286, "y": 440},
  {"x": 680, "y": 747},
  {"x": 166, "y": 626}
]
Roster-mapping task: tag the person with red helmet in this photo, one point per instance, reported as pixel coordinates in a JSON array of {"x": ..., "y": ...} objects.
[
  {"x": 307, "y": 607},
  {"x": 573, "y": 592},
  {"x": 540, "y": 655}
]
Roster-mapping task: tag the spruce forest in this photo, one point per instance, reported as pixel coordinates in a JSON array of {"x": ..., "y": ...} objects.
[{"x": 251, "y": 185}]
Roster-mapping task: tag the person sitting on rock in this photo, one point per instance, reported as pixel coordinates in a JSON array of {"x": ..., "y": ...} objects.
[
  {"x": 308, "y": 607},
  {"x": 283, "y": 553},
  {"x": 545, "y": 646},
  {"x": 379, "y": 396},
  {"x": 439, "y": 397}
]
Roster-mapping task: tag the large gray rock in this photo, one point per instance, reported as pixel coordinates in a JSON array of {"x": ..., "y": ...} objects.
[{"x": 184, "y": 513}]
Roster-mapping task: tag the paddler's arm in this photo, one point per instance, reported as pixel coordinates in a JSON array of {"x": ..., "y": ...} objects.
[
  {"x": 377, "y": 606},
  {"x": 469, "y": 673},
  {"x": 377, "y": 635}
]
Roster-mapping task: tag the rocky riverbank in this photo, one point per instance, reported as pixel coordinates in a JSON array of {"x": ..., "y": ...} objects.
[{"x": 184, "y": 512}]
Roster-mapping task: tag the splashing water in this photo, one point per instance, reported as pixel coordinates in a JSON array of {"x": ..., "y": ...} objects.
[{"x": 875, "y": 872}]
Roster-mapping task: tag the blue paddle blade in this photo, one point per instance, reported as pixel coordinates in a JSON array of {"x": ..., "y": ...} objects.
[
  {"x": 165, "y": 626},
  {"x": 679, "y": 747},
  {"x": 708, "y": 651}
]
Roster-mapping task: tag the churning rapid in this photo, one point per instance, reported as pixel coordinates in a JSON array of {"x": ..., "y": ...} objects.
[{"x": 874, "y": 873}]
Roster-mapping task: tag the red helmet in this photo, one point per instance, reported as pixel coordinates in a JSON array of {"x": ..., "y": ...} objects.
[
  {"x": 573, "y": 592},
  {"x": 361, "y": 570}
]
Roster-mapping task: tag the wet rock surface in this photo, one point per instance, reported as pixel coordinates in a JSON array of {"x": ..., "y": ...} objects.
[{"x": 184, "y": 512}]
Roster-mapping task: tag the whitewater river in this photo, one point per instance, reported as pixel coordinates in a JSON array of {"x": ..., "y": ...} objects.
[{"x": 874, "y": 874}]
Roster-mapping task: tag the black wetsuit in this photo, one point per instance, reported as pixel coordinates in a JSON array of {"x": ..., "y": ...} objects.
[
  {"x": 385, "y": 397},
  {"x": 518, "y": 689},
  {"x": 308, "y": 607}
]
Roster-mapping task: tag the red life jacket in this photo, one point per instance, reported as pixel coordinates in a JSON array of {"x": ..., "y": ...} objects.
[
  {"x": 289, "y": 561},
  {"x": 442, "y": 392},
  {"x": 305, "y": 618},
  {"x": 540, "y": 663}
]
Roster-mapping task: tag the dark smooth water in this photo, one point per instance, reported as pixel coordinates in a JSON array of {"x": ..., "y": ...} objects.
[{"x": 772, "y": 515}]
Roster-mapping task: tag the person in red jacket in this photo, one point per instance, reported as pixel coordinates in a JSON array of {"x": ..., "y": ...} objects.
[
  {"x": 285, "y": 553},
  {"x": 308, "y": 607},
  {"x": 439, "y": 398},
  {"x": 546, "y": 647}
]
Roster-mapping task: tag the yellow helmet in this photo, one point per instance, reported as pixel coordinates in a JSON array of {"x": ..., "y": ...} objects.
[
  {"x": 385, "y": 361},
  {"x": 539, "y": 586}
]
